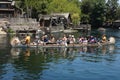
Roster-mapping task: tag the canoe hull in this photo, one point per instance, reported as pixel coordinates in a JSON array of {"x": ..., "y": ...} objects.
[{"x": 70, "y": 45}]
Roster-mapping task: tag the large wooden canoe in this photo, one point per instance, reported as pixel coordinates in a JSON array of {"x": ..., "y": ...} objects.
[
  {"x": 56, "y": 45},
  {"x": 15, "y": 42}
]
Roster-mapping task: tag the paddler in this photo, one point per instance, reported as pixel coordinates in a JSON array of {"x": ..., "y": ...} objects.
[
  {"x": 27, "y": 40},
  {"x": 104, "y": 38}
]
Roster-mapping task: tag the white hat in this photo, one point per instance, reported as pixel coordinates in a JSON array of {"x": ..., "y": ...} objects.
[
  {"x": 45, "y": 35},
  {"x": 72, "y": 35}
]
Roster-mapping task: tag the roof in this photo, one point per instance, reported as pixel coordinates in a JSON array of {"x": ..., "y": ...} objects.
[
  {"x": 63, "y": 14},
  {"x": 3, "y": 2},
  {"x": 6, "y": 9},
  {"x": 117, "y": 21},
  {"x": 45, "y": 17},
  {"x": 48, "y": 17}
]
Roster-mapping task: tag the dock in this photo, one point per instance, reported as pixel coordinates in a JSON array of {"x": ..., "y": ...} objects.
[{"x": 82, "y": 27}]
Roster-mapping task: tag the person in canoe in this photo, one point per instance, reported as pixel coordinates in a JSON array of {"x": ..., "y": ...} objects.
[
  {"x": 104, "y": 38},
  {"x": 27, "y": 40}
]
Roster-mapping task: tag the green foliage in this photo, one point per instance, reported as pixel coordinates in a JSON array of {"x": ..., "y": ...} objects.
[
  {"x": 10, "y": 30},
  {"x": 87, "y": 6},
  {"x": 88, "y": 11},
  {"x": 65, "y": 6},
  {"x": 111, "y": 11},
  {"x": 85, "y": 18},
  {"x": 118, "y": 13},
  {"x": 76, "y": 18},
  {"x": 33, "y": 7},
  {"x": 77, "y": 2},
  {"x": 98, "y": 14}
]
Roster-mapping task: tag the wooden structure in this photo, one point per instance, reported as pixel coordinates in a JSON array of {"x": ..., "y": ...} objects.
[
  {"x": 116, "y": 24},
  {"x": 83, "y": 27},
  {"x": 8, "y": 9},
  {"x": 67, "y": 21},
  {"x": 76, "y": 45},
  {"x": 23, "y": 25},
  {"x": 50, "y": 23}
]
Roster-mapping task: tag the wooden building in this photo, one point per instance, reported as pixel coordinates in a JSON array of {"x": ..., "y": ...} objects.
[
  {"x": 8, "y": 9},
  {"x": 50, "y": 23},
  {"x": 67, "y": 21},
  {"x": 116, "y": 24}
]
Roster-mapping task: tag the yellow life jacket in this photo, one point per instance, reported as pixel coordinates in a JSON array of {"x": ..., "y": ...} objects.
[
  {"x": 27, "y": 39},
  {"x": 104, "y": 38}
]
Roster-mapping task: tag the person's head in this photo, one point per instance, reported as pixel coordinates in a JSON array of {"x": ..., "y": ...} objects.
[
  {"x": 27, "y": 34},
  {"x": 72, "y": 36},
  {"x": 45, "y": 36},
  {"x": 64, "y": 35},
  {"x": 52, "y": 35},
  {"x": 91, "y": 36}
]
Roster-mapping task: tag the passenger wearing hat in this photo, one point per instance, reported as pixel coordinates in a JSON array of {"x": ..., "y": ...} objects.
[{"x": 72, "y": 39}]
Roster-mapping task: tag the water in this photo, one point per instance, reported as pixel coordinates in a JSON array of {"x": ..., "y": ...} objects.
[{"x": 85, "y": 63}]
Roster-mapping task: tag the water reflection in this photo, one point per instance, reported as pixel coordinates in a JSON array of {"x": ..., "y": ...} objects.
[
  {"x": 107, "y": 49},
  {"x": 104, "y": 49},
  {"x": 64, "y": 53},
  {"x": 34, "y": 62},
  {"x": 27, "y": 53},
  {"x": 15, "y": 52},
  {"x": 111, "y": 48},
  {"x": 99, "y": 54},
  {"x": 28, "y": 63}
]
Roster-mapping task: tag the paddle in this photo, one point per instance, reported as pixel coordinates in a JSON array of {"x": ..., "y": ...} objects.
[{"x": 99, "y": 43}]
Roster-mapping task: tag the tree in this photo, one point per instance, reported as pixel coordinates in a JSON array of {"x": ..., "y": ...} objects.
[
  {"x": 118, "y": 13},
  {"x": 20, "y": 4},
  {"x": 77, "y": 2},
  {"x": 87, "y": 6},
  {"x": 98, "y": 14},
  {"x": 111, "y": 10},
  {"x": 34, "y": 7},
  {"x": 75, "y": 18},
  {"x": 65, "y": 6},
  {"x": 86, "y": 9}
]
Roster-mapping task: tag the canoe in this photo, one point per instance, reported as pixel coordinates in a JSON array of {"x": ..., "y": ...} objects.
[
  {"x": 15, "y": 42},
  {"x": 57, "y": 46}
]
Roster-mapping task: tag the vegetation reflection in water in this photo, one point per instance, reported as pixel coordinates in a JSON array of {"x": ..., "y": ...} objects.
[
  {"x": 33, "y": 62},
  {"x": 64, "y": 53}
]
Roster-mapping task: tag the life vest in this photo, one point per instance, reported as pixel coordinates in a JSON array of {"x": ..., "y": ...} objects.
[
  {"x": 27, "y": 39},
  {"x": 104, "y": 38}
]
